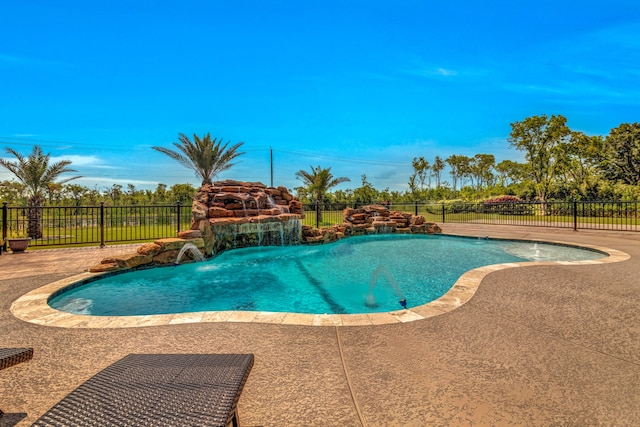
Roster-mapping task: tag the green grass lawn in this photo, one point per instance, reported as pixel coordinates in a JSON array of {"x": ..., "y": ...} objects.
[{"x": 84, "y": 231}]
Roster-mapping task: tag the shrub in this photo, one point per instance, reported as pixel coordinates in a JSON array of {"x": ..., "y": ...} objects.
[
  {"x": 507, "y": 205},
  {"x": 503, "y": 199}
]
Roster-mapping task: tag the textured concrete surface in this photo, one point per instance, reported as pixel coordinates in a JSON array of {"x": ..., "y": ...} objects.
[{"x": 538, "y": 345}]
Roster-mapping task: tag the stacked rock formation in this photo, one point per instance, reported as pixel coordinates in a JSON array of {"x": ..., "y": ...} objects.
[
  {"x": 236, "y": 199},
  {"x": 371, "y": 219},
  {"x": 226, "y": 215},
  {"x": 221, "y": 210}
]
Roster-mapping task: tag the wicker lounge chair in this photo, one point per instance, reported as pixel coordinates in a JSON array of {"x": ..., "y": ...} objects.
[
  {"x": 157, "y": 390},
  {"x": 13, "y": 356}
]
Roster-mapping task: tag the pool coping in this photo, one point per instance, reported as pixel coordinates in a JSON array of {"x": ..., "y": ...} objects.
[{"x": 32, "y": 307}]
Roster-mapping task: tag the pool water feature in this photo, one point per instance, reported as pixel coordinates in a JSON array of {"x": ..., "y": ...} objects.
[
  {"x": 366, "y": 274},
  {"x": 196, "y": 255}
]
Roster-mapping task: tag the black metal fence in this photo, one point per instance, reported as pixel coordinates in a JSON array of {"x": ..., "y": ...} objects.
[
  {"x": 93, "y": 225},
  {"x": 594, "y": 215},
  {"x": 101, "y": 225}
]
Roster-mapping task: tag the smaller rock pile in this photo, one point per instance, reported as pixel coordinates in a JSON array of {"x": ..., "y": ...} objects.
[
  {"x": 160, "y": 252},
  {"x": 377, "y": 218},
  {"x": 371, "y": 219}
]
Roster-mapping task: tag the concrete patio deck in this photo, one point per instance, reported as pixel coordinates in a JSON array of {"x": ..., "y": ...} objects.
[{"x": 539, "y": 345}]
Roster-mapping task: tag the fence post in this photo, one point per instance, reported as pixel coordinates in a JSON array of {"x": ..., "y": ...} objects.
[
  {"x": 178, "y": 205},
  {"x": 415, "y": 204},
  {"x": 443, "y": 212},
  {"x": 102, "y": 245},
  {"x": 317, "y": 214},
  {"x": 5, "y": 213},
  {"x": 575, "y": 215}
]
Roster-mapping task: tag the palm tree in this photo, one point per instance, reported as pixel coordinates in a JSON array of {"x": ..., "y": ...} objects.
[
  {"x": 206, "y": 156},
  {"x": 318, "y": 182},
  {"x": 37, "y": 175}
]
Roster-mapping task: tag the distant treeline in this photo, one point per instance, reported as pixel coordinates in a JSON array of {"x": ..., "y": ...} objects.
[{"x": 561, "y": 164}]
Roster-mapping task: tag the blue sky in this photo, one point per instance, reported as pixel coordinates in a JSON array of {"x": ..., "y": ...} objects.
[{"x": 362, "y": 87}]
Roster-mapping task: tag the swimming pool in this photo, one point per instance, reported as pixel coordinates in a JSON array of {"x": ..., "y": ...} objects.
[{"x": 368, "y": 274}]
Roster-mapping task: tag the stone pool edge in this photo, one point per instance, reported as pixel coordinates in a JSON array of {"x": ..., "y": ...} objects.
[{"x": 32, "y": 307}]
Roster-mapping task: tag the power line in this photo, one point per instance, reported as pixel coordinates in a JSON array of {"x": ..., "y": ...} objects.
[
  {"x": 343, "y": 159},
  {"x": 80, "y": 145}
]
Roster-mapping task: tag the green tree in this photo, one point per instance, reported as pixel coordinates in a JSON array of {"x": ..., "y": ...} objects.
[
  {"x": 458, "y": 168},
  {"x": 413, "y": 186},
  {"x": 36, "y": 172},
  {"x": 207, "y": 157},
  {"x": 437, "y": 168},
  {"x": 183, "y": 193},
  {"x": 76, "y": 192},
  {"x": 578, "y": 165},
  {"x": 160, "y": 195},
  {"x": 620, "y": 156},
  {"x": 539, "y": 138},
  {"x": 509, "y": 172},
  {"x": 481, "y": 168},
  {"x": 13, "y": 192},
  {"x": 54, "y": 192},
  {"x": 92, "y": 196},
  {"x": 73, "y": 195},
  {"x": 366, "y": 193},
  {"x": 343, "y": 196},
  {"x": 317, "y": 182},
  {"x": 421, "y": 168},
  {"x": 114, "y": 193},
  {"x": 132, "y": 190},
  {"x": 134, "y": 197}
]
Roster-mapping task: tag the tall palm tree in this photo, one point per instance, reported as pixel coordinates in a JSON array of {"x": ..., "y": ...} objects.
[
  {"x": 206, "y": 156},
  {"x": 318, "y": 182},
  {"x": 35, "y": 172}
]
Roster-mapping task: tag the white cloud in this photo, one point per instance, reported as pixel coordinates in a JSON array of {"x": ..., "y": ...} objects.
[
  {"x": 79, "y": 160},
  {"x": 431, "y": 72},
  {"x": 443, "y": 72},
  {"x": 76, "y": 161}
]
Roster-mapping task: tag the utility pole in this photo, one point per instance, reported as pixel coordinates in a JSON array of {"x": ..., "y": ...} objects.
[{"x": 271, "y": 164}]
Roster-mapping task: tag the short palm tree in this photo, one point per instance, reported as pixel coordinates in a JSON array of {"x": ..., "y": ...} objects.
[
  {"x": 35, "y": 172},
  {"x": 318, "y": 181},
  {"x": 206, "y": 156}
]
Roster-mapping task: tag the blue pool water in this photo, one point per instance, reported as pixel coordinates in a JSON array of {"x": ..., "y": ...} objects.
[{"x": 356, "y": 275}]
